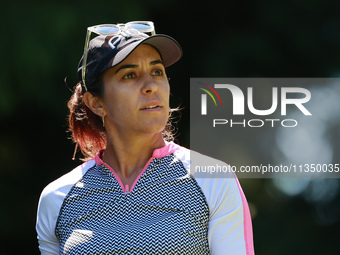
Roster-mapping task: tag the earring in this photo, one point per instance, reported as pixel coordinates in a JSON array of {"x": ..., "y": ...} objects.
[{"x": 103, "y": 120}]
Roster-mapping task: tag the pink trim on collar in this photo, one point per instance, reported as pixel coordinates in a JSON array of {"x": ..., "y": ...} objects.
[
  {"x": 99, "y": 161},
  {"x": 164, "y": 151},
  {"x": 169, "y": 148}
]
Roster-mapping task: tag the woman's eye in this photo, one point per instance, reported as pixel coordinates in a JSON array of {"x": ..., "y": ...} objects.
[
  {"x": 157, "y": 72},
  {"x": 129, "y": 76}
]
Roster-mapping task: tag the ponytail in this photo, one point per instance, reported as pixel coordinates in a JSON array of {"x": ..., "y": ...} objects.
[{"x": 86, "y": 127}]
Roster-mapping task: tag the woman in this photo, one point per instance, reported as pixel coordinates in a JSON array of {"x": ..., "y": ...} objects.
[{"x": 134, "y": 193}]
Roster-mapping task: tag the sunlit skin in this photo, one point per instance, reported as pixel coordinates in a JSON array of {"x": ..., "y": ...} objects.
[{"x": 135, "y": 107}]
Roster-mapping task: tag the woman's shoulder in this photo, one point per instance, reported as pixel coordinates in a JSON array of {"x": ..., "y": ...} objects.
[
  {"x": 65, "y": 182},
  {"x": 53, "y": 194},
  {"x": 203, "y": 166},
  {"x": 229, "y": 211},
  {"x": 214, "y": 177},
  {"x": 51, "y": 200}
]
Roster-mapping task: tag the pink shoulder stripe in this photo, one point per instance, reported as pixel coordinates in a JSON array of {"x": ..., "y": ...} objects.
[{"x": 248, "y": 230}]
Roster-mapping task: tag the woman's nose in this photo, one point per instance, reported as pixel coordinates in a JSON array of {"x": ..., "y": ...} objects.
[{"x": 149, "y": 85}]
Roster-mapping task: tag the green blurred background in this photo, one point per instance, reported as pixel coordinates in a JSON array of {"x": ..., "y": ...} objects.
[{"x": 42, "y": 42}]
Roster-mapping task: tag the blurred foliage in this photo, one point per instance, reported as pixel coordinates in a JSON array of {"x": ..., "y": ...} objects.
[{"x": 42, "y": 42}]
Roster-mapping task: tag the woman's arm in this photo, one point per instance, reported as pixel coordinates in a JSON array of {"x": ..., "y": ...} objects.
[
  {"x": 230, "y": 227},
  {"x": 48, "y": 210},
  {"x": 50, "y": 202}
]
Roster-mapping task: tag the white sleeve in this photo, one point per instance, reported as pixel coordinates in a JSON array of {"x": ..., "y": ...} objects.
[
  {"x": 50, "y": 202},
  {"x": 48, "y": 210},
  {"x": 230, "y": 227}
]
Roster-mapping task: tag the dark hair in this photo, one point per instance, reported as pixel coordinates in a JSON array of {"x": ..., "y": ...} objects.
[{"x": 87, "y": 128}]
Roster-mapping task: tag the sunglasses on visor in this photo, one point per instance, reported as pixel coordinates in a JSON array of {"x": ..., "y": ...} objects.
[{"x": 113, "y": 29}]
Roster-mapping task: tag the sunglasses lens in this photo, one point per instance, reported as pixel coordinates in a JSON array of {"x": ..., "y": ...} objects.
[
  {"x": 141, "y": 27},
  {"x": 107, "y": 29}
]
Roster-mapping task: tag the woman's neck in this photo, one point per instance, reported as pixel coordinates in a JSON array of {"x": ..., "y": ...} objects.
[{"x": 128, "y": 156}]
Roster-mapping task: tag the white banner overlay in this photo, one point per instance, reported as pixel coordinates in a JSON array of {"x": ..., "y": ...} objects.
[{"x": 266, "y": 127}]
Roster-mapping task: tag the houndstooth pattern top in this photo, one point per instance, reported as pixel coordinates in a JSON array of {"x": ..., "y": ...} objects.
[{"x": 166, "y": 211}]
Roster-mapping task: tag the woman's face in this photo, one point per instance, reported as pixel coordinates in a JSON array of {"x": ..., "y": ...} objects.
[{"x": 136, "y": 94}]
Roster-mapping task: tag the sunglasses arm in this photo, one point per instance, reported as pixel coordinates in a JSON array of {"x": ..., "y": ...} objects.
[{"x": 86, "y": 48}]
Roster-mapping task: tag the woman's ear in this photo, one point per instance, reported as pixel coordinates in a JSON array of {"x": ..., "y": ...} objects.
[{"x": 94, "y": 104}]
